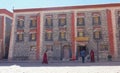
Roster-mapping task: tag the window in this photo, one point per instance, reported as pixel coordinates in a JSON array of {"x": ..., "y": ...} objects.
[
  {"x": 62, "y": 21},
  {"x": 20, "y": 23},
  {"x": 62, "y": 35},
  {"x": 103, "y": 47},
  {"x": 33, "y": 23},
  {"x": 96, "y": 20},
  {"x": 49, "y": 21},
  {"x": 20, "y": 37},
  {"x": 48, "y": 36},
  {"x": 118, "y": 18},
  {"x": 80, "y": 33},
  {"x": 80, "y": 21},
  {"x": 32, "y": 37},
  {"x": 97, "y": 35},
  {"x": 119, "y": 21},
  {"x": 119, "y": 34}
]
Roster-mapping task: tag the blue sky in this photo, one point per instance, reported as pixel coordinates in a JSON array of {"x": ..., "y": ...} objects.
[{"x": 22, "y": 4}]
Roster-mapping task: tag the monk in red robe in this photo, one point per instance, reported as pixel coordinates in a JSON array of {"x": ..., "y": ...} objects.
[
  {"x": 45, "y": 59},
  {"x": 92, "y": 59}
]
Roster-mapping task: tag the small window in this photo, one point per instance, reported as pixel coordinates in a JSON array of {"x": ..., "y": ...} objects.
[
  {"x": 103, "y": 47},
  {"x": 80, "y": 34},
  {"x": 62, "y": 21},
  {"x": 97, "y": 35},
  {"x": 119, "y": 34},
  {"x": 62, "y": 35},
  {"x": 80, "y": 22},
  {"x": 96, "y": 20},
  {"x": 33, "y": 23},
  {"x": 20, "y": 37},
  {"x": 48, "y": 36},
  {"x": 118, "y": 18},
  {"x": 49, "y": 21},
  {"x": 119, "y": 21},
  {"x": 33, "y": 48},
  {"x": 20, "y": 23},
  {"x": 32, "y": 37}
]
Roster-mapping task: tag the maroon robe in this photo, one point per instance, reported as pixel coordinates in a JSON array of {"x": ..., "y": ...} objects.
[
  {"x": 92, "y": 59},
  {"x": 45, "y": 60}
]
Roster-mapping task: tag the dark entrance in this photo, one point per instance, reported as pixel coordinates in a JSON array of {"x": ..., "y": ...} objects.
[
  {"x": 80, "y": 48},
  {"x": 6, "y": 53}
]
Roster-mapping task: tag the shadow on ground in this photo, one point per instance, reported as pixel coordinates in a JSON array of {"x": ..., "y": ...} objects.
[{"x": 58, "y": 64}]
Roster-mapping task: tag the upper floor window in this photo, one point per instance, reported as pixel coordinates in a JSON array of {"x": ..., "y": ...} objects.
[
  {"x": 49, "y": 20},
  {"x": 33, "y": 21},
  {"x": 97, "y": 35},
  {"x": 119, "y": 34},
  {"x": 119, "y": 18},
  {"x": 20, "y": 37},
  {"x": 96, "y": 19},
  {"x": 62, "y": 19},
  {"x": 80, "y": 22},
  {"x": 80, "y": 19},
  {"x": 32, "y": 37},
  {"x": 119, "y": 21},
  {"x": 20, "y": 22},
  {"x": 80, "y": 33},
  {"x": 33, "y": 48},
  {"x": 48, "y": 35},
  {"x": 62, "y": 35}
]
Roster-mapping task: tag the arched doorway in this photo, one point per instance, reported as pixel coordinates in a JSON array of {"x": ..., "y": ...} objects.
[
  {"x": 79, "y": 49},
  {"x": 81, "y": 44},
  {"x": 66, "y": 53}
]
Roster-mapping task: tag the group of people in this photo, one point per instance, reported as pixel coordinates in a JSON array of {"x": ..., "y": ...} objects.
[{"x": 82, "y": 54}]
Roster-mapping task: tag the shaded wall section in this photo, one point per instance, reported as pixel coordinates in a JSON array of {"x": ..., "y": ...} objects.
[{"x": 7, "y": 36}]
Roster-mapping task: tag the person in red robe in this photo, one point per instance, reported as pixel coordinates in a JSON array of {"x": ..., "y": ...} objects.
[
  {"x": 92, "y": 59},
  {"x": 45, "y": 59}
]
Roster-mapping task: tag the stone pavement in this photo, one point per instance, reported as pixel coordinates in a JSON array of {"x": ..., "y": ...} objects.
[
  {"x": 59, "y": 67},
  {"x": 58, "y": 63}
]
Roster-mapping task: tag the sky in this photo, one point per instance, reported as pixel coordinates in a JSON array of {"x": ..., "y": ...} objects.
[{"x": 23, "y": 4}]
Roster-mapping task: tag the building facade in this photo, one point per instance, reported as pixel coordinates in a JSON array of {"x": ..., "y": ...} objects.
[
  {"x": 65, "y": 31},
  {"x": 5, "y": 30}
]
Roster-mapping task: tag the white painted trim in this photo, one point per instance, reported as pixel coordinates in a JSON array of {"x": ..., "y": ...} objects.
[
  {"x": 9, "y": 17},
  {"x": 70, "y": 10},
  {"x": 6, "y": 16},
  {"x": 41, "y": 37},
  {"x": 114, "y": 32},
  {"x": 12, "y": 39},
  {"x": 15, "y": 13},
  {"x": 77, "y": 10}
]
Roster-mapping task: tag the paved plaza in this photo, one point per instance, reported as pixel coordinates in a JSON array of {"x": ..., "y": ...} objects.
[{"x": 61, "y": 67}]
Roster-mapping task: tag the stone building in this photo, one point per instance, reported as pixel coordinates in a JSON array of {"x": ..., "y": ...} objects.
[
  {"x": 65, "y": 31},
  {"x": 5, "y": 30}
]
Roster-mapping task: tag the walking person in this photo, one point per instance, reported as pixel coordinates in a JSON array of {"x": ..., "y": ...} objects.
[
  {"x": 92, "y": 59},
  {"x": 45, "y": 58},
  {"x": 83, "y": 53}
]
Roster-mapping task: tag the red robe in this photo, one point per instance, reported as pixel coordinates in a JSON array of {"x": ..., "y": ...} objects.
[
  {"x": 45, "y": 60},
  {"x": 92, "y": 59}
]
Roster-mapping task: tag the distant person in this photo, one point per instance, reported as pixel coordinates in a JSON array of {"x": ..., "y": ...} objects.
[
  {"x": 45, "y": 58},
  {"x": 82, "y": 54},
  {"x": 92, "y": 59}
]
